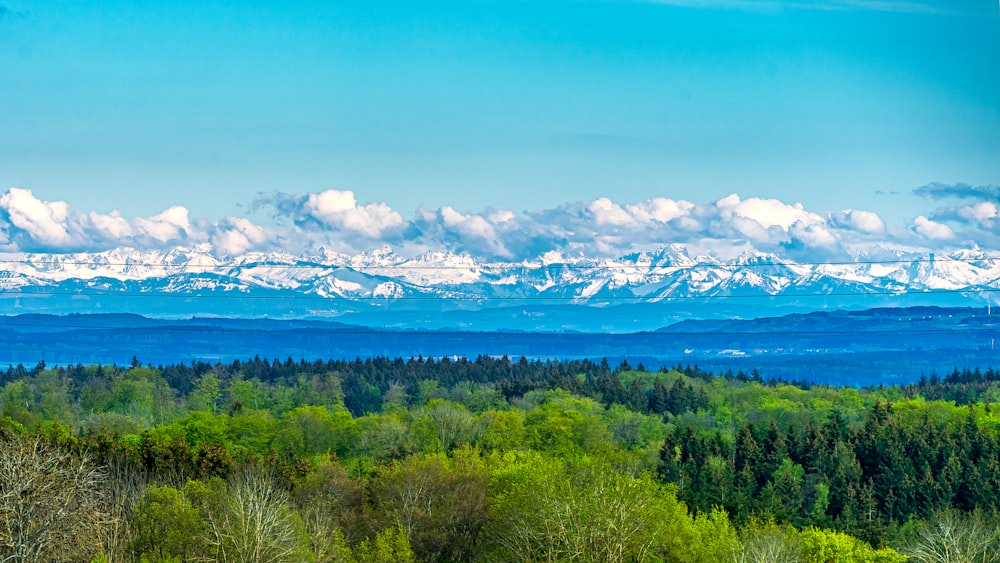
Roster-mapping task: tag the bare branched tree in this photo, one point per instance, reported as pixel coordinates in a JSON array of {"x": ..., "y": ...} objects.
[
  {"x": 950, "y": 537},
  {"x": 125, "y": 486},
  {"x": 768, "y": 544},
  {"x": 52, "y": 502},
  {"x": 254, "y": 522}
]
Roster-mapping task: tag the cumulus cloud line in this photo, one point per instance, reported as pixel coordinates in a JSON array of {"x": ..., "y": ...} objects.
[
  {"x": 30, "y": 224},
  {"x": 336, "y": 221}
]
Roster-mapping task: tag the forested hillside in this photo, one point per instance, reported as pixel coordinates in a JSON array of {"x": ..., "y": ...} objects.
[{"x": 491, "y": 460}]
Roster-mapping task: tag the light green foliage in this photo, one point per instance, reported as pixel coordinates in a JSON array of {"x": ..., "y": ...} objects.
[
  {"x": 443, "y": 425},
  {"x": 203, "y": 427},
  {"x": 94, "y": 396},
  {"x": 549, "y": 510},
  {"x": 850, "y": 400},
  {"x": 913, "y": 411},
  {"x": 783, "y": 403},
  {"x": 395, "y": 399},
  {"x": 282, "y": 399},
  {"x": 320, "y": 390},
  {"x": 477, "y": 397},
  {"x": 44, "y": 396},
  {"x": 331, "y": 506},
  {"x": 713, "y": 539},
  {"x": 132, "y": 395},
  {"x": 166, "y": 525},
  {"x": 252, "y": 429},
  {"x": 247, "y": 393},
  {"x": 632, "y": 430},
  {"x": 563, "y": 424},
  {"x": 825, "y": 546},
  {"x": 648, "y": 379},
  {"x": 206, "y": 395},
  {"x": 557, "y": 476},
  {"x": 439, "y": 501},
  {"x": 142, "y": 394},
  {"x": 987, "y": 417},
  {"x": 390, "y": 544},
  {"x": 502, "y": 430},
  {"x": 383, "y": 436},
  {"x": 732, "y": 403},
  {"x": 111, "y": 423},
  {"x": 820, "y": 504},
  {"x": 312, "y": 430},
  {"x": 54, "y": 401},
  {"x": 18, "y": 400},
  {"x": 429, "y": 389}
]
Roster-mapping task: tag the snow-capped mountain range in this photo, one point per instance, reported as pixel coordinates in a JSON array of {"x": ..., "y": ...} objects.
[{"x": 639, "y": 291}]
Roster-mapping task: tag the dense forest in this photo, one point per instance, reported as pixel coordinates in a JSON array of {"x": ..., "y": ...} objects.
[{"x": 490, "y": 459}]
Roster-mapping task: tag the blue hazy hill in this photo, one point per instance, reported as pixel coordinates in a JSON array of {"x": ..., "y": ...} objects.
[{"x": 886, "y": 345}]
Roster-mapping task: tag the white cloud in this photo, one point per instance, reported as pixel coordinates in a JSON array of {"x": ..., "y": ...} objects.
[
  {"x": 603, "y": 211},
  {"x": 659, "y": 209},
  {"x": 766, "y": 212},
  {"x": 813, "y": 235},
  {"x": 36, "y": 225},
  {"x": 472, "y": 227},
  {"x": 110, "y": 226},
  {"x": 41, "y": 221},
  {"x": 862, "y": 221},
  {"x": 237, "y": 235},
  {"x": 340, "y": 210},
  {"x": 932, "y": 229},
  {"x": 752, "y": 229},
  {"x": 980, "y": 212},
  {"x": 172, "y": 224},
  {"x": 606, "y": 212},
  {"x": 500, "y": 216}
]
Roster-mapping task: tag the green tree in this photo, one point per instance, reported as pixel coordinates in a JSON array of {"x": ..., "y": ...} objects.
[
  {"x": 390, "y": 544},
  {"x": 206, "y": 395},
  {"x": 825, "y": 546},
  {"x": 331, "y": 505},
  {"x": 438, "y": 501},
  {"x": 312, "y": 430},
  {"x": 166, "y": 525},
  {"x": 445, "y": 425},
  {"x": 546, "y": 510}
]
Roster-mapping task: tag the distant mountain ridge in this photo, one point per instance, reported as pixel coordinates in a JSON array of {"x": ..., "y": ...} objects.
[{"x": 639, "y": 291}]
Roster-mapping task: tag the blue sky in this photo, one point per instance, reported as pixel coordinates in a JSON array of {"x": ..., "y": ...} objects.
[{"x": 479, "y": 105}]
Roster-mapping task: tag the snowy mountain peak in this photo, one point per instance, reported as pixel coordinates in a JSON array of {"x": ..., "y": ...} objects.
[{"x": 380, "y": 276}]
